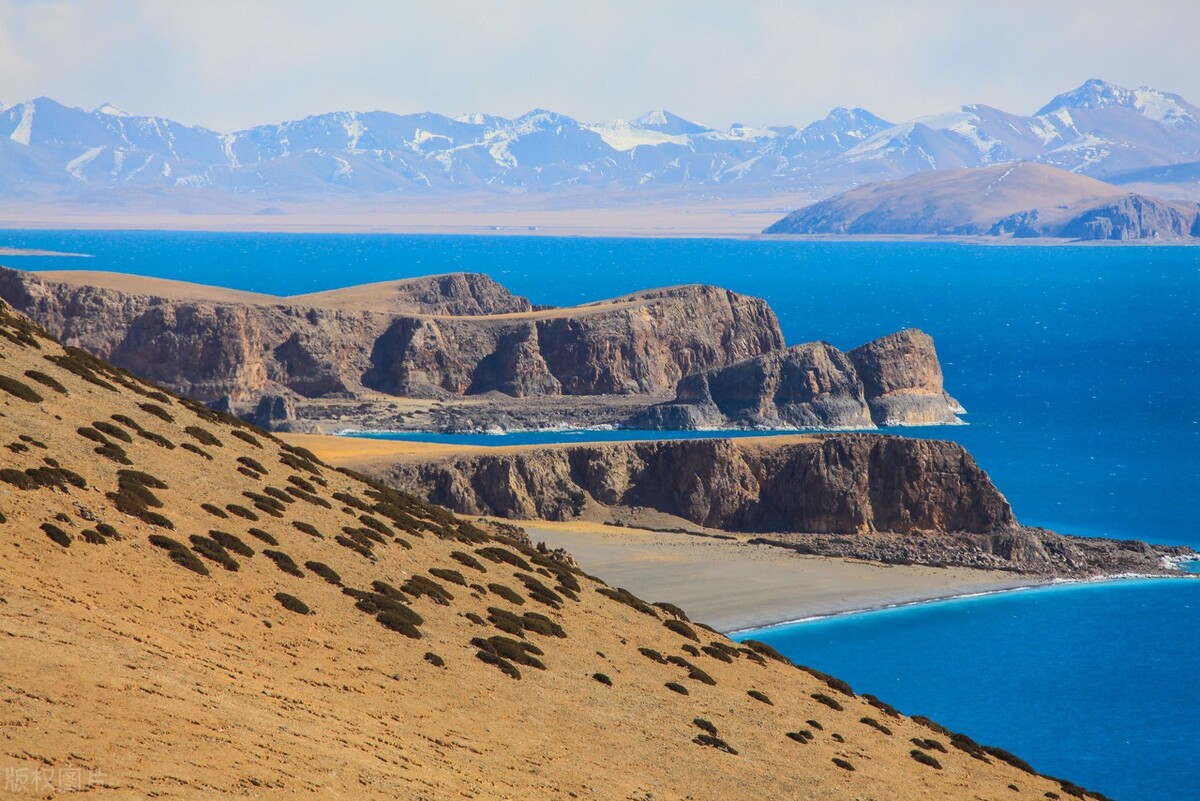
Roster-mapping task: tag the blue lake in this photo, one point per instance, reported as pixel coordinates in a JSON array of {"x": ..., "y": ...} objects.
[{"x": 1078, "y": 366}]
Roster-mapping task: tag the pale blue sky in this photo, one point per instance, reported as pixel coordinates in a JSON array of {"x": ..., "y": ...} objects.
[{"x": 233, "y": 63}]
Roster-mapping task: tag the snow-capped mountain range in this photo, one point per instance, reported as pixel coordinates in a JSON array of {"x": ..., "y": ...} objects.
[{"x": 50, "y": 150}]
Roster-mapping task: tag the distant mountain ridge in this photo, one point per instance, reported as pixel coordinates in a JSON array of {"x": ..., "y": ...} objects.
[
  {"x": 49, "y": 150},
  {"x": 1023, "y": 200}
]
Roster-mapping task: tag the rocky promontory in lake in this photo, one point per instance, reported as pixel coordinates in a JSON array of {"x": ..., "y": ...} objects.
[
  {"x": 461, "y": 352},
  {"x": 866, "y": 496}
]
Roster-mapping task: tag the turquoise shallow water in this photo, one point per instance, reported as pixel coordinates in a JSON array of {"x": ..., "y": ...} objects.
[{"x": 1077, "y": 365}]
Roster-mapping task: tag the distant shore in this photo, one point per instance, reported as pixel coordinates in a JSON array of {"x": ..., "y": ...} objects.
[{"x": 737, "y": 220}]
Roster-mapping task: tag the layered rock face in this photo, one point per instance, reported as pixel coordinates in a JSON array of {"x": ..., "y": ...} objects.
[
  {"x": 845, "y": 484},
  {"x": 894, "y": 380},
  {"x": 641, "y": 343},
  {"x": 1134, "y": 217},
  {"x": 454, "y": 335}
]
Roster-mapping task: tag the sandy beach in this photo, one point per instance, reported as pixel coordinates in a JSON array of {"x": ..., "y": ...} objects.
[{"x": 732, "y": 585}]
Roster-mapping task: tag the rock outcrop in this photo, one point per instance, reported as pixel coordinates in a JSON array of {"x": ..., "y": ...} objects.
[
  {"x": 902, "y": 380},
  {"x": 1134, "y": 217},
  {"x": 894, "y": 380},
  {"x": 843, "y": 484},
  {"x": 445, "y": 336}
]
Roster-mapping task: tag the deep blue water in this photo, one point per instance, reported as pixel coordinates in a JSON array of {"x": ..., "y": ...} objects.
[
  {"x": 1095, "y": 683},
  {"x": 1078, "y": 366}
]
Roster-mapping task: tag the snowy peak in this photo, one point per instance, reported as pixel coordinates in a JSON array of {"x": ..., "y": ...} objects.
[
  {"x": 112, "y": 111},
  {"x": 1092, "y": 95},
  {"x": 665, "y": 122}
]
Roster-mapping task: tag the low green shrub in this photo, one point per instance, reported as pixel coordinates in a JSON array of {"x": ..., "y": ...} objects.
[
  {"x": 292, "y": 603},
  {"x": 468, "y": 561},
  {"x": 605, "y": 680},
  {"x": 231, "y": 542},
  {"x": 211, "y": 549},
  {"x": 112, "y": 430},
  {"x": 503, "y": 556},
  {"x": 924, "y": 758},
  {"x": 705, "y": 725},
  {"x": 928, "y": 744},
  {"x": 714, "y": 742},
  {"x": 157, "y": 439},
  {"x": 507, "y": 594},
  {"x": 827, "y": 701},
  {"x": 452, "y": 576},
  {"x": 179, "y": 553},
  {"x": 540, "y": 624},
  {"x": 258, "y": 533},
  {"x": 324, "y": 571},
  {"x": 676, "y": 687},
  {"x": 46, "y": 381},
  {"x": 187, "y": 446},
  {"x": 670, "y": 609},
  {"x": 681, "y": 628},
  {"x": 506, "y": 667},
  {"x": 253, "y": 464},
  {"x": 247, "y": 437},
  {"x": 843, "y": 764},
  {"x": 93, "y": 537},
  {"x": 434, "y": 659},
  {"x": 760, "y": 696},
  {"x": 157, "y": 411},
  {"x": 242, "y": 512},
  {"x": 19, "y": 389},
  {"x": 621, "y": 595},
  {"x": 307, "y": 528},
  {"x": 214, "y": 510},
  {"x": 398, "y": 623},
  {"x": 875, "y": 724},
  {"x": 57, "y": 534},
  {"x": 284, "y": 562},
  {"x": 882, "y": 706},
  {"x": 204, "y": 437},
  {"x": 802, "y": 736},
  {"x": 964, "y": 743},
  {"x": 419, "y": 586},
  {"x": 1011, "y": 759}
]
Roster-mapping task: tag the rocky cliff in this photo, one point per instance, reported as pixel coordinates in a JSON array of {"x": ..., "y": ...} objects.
[
  {"x": 862, "y": 496},
  {"x": 894, "y": 380},
  {"x": 1134, "y": 217},
  {"x": 849, "y": 483},
  {"x": 439, "y": 337}
]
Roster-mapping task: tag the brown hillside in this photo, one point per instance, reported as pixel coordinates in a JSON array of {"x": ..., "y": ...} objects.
[{"x": 434, "y": 663}]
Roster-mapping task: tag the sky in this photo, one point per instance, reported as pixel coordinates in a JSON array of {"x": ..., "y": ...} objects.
[{"x": 231, "y": 64}]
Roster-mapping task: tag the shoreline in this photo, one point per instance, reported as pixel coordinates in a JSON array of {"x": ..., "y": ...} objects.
[
  {"x": 671, "y": 224},
  {"x": 736, "y": 586},
  {"x": 1034, "y": 585}
]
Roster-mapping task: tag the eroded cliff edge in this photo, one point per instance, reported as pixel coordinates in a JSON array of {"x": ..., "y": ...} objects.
[
  {"x": 875, "y": 497},
  {"x": 461, "y": 352}
]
